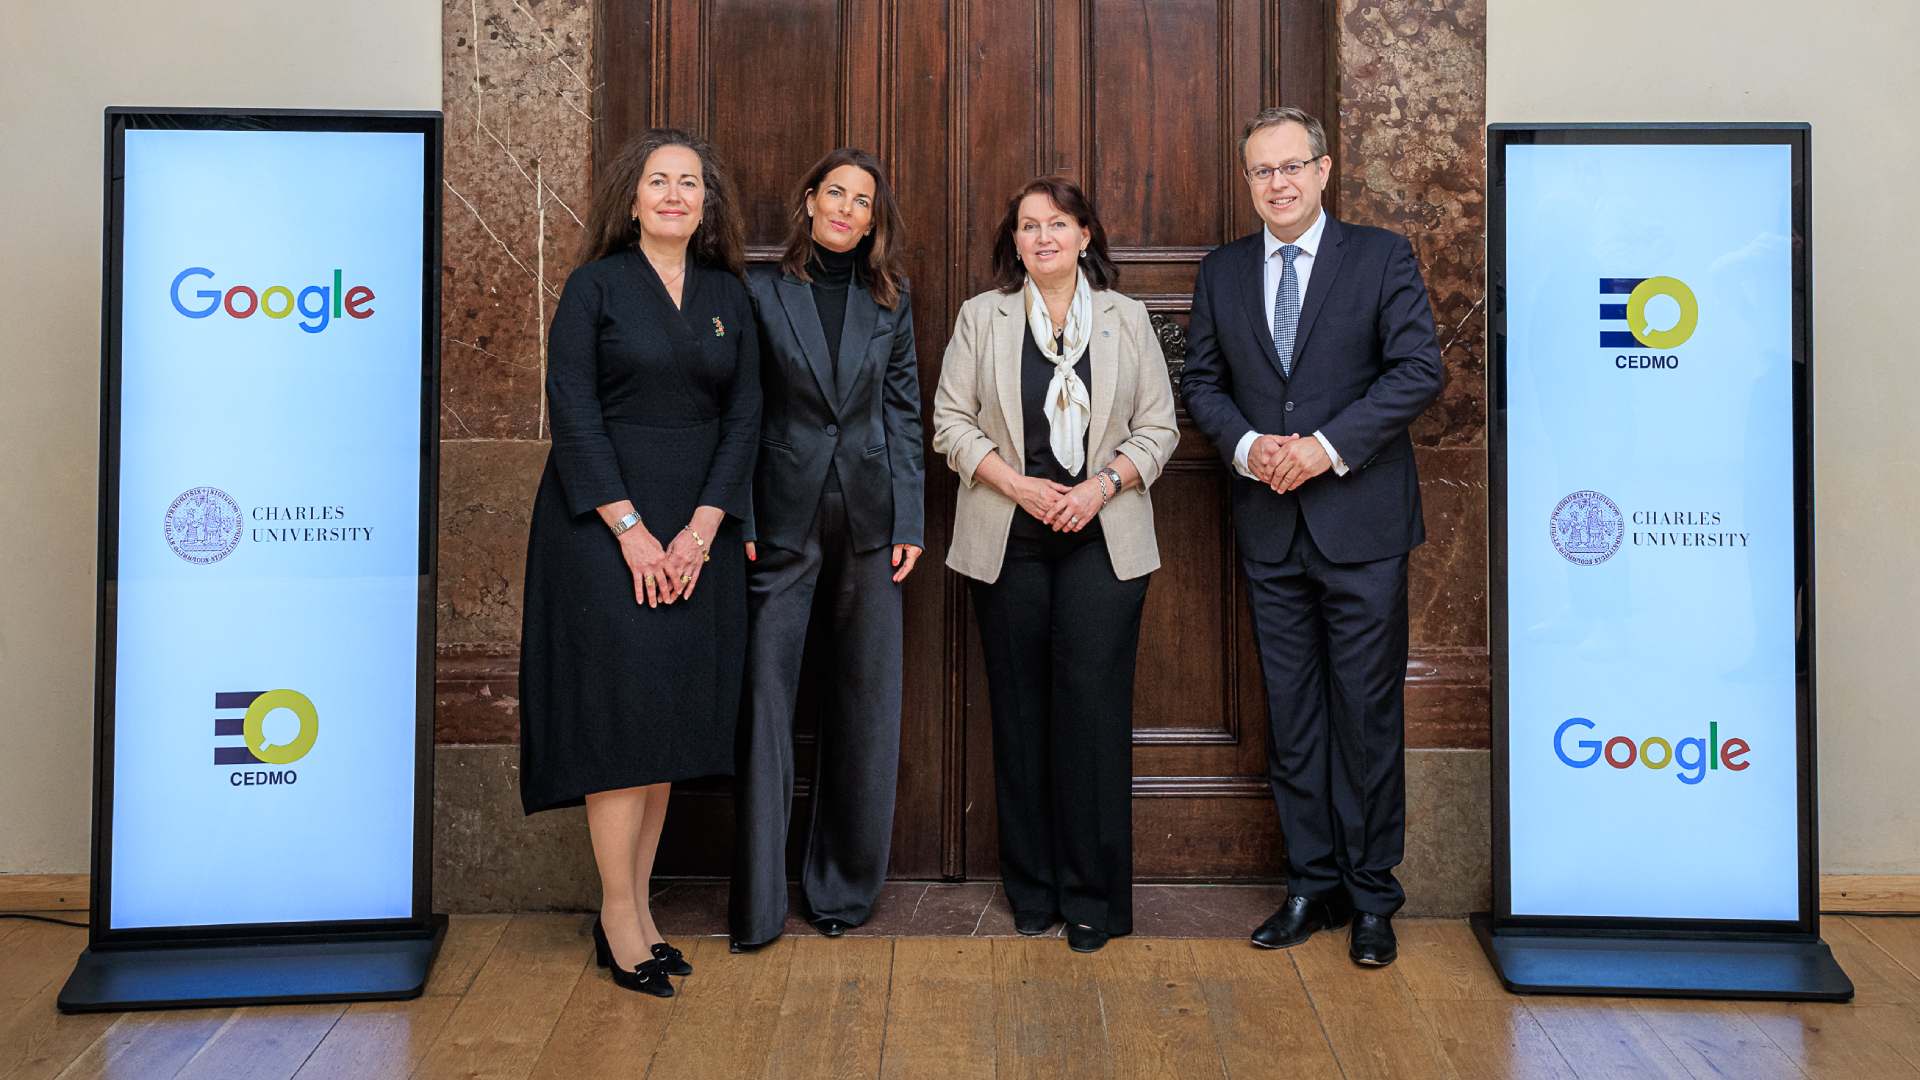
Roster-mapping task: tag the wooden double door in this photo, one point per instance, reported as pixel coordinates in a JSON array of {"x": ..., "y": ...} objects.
[{"x": 1141, "y": 102}]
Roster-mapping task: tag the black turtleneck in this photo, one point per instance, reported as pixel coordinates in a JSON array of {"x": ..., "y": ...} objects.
[{"x": 832, "y": 273}]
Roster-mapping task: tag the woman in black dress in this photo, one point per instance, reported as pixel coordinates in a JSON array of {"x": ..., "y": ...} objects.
[{"x": 635, "y": 611}]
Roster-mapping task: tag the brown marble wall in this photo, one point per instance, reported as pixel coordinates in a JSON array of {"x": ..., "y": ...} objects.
[
  {"x": 1412, "y": 153},
  {"x": 518, "y": 100}
]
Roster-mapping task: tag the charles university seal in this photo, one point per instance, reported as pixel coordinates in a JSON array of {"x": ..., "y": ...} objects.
[
  {"x": 203, "y": 525},
  {"x": 1586, "y": 528}
]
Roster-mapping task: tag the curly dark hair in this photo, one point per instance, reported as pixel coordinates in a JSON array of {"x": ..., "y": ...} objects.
[
  {"x": 718, "y": 241},
  {"x": 1008, "y": 272}
]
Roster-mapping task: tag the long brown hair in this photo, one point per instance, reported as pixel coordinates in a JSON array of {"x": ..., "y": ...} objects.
[
  {"x": 882, "y": 272},
  {"x": 717, "y": 241},
  {"x": 1009, "y": 274}
]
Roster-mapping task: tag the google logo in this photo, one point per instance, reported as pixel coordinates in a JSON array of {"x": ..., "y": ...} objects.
[
  {"x": 317, "y": 304},
  {"x": 1694, "y": 757}
]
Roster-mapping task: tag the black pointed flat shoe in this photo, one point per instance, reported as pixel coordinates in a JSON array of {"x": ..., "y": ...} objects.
[
  {"x": 672, "y": 960},
  {"x": 1085, "y": 938},
  {"x": 1032, "y": 925},
  {"x": 648, "y": 978}
]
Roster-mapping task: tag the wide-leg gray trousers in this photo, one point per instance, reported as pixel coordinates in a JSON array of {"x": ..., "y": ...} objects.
[{"x": 857, "y": 753}]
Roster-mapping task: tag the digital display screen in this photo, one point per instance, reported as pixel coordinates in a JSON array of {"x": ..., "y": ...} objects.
[
  {"x": 1650, "y": 531},
  {"x": 265, "y": 602}
]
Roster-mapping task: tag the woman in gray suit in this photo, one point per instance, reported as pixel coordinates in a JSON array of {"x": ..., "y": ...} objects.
[
  {"x": 836, "y": 522},
  {"x": 1055, "y": 408}
]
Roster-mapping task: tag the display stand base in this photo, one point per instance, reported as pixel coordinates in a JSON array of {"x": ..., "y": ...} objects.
[
  {"x": 1571, "y": 962},
  {"x": 191, "y": 976}
]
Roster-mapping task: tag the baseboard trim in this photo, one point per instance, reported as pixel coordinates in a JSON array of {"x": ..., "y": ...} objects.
[
  {"x": 44, "y": 892},
  {"x": 1870, "y": 894},
  {"x": 1840, "y": 894}
]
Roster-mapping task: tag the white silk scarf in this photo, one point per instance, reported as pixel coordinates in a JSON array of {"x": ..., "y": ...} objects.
[{"x": 1069, "y": 409}]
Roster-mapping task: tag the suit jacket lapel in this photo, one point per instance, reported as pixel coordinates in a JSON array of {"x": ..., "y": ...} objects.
[
  {"x": 797, "y": 298},
  {"x": 1104, "y": 367},
  {"x": 1253, "y": 287},
  {"x": 1010, "y": 329},
  {"x": 1326, "y": 266},
  {"x": 855, "y": 335}
]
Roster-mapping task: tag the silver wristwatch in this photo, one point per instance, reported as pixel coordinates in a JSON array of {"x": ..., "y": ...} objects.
[
  {"x": 1113, "y": 477},
  {"x": 629, "y": 521}
]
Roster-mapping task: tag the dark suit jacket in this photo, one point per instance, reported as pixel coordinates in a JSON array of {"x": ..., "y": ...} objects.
[
  {"x": 1365, "y": 364},
  {"x": 863, "y": 418}
]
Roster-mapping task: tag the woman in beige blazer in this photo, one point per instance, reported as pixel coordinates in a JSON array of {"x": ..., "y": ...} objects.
[{"x": 1055, "y": 409}]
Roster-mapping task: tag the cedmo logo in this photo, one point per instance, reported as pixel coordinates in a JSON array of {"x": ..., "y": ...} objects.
[
  {"x": 317, "y": 304},
  {"x": 278, "y": 727},
  {"x": 1660, "y": 313}
]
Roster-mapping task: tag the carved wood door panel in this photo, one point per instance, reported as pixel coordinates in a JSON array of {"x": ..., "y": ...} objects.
[{"x": 964, "y": 100}]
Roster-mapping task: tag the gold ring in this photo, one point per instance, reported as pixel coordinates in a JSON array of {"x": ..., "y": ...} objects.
[
  {"x": 684, "y": 578},
  {"x": 648, "y": 579}
]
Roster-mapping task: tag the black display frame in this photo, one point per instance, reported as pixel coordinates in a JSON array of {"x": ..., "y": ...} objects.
[
  {"x": 1805, "y": 969},
  {"x": 421, "y": 922}
]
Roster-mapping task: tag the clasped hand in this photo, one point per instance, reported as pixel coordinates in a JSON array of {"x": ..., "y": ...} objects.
[
  {"x": 685, "y": 557},
  {"x": 1075, "y": 507},
  {"x": 1038, "y": 496},
  {"x": 653, "y": 583},
  {"x": 1284, "y": 462}
]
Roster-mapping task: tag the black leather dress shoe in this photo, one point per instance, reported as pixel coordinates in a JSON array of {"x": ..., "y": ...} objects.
[
  {"x": 1033, "y": 925},
  {"x": 1372, "y": 943},
  {"x": 831, "y": 927},
  {"x": 735, "y": 945},
  {"x": 1085, "y": 938},
  {"x": 1297, "y": 920}
]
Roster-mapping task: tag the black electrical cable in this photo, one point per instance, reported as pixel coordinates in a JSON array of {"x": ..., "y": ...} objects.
[{"x": 40, "y": 918}]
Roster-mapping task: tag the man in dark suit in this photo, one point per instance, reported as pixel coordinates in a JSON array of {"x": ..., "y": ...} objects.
[{"x": 1311, "y": 349}]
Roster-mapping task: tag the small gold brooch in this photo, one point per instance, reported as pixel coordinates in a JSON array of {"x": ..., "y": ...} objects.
[{"x": 719, "y": 328}]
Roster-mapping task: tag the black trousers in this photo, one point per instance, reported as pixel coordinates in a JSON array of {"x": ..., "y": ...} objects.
[
  {"x": 857, "y": 753},
  {"x": 1333, "y": 652},
  {"x": 1060, "y": 633}
]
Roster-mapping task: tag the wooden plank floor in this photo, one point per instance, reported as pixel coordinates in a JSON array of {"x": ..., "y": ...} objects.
[{"x": 520, "y": 997}]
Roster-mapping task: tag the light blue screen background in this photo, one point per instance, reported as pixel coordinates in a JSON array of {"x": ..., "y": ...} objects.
[
  {"x": 273, "y": 416},
  {"x": 1653, "y": 641}
]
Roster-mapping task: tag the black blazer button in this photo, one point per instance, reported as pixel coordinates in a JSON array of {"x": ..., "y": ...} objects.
[
  {"x": 833, "y": 429},
  {"x": 1289, "y": 406}
]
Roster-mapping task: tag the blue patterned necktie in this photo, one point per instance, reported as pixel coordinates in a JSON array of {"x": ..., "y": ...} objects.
[{"x": 1286, "y": 309}]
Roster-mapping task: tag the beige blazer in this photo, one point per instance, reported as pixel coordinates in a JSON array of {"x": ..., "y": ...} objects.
[{"x": 976, "y": 412}]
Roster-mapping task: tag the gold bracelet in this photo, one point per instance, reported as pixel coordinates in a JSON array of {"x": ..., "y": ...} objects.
[{"x": 697, "y": 538}]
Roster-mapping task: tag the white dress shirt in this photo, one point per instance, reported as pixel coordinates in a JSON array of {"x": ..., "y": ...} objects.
[{"x": 1273, "y": 267}]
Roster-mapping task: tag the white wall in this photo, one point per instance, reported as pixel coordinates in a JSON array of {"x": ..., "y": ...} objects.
[
  {"x": 69, "y": 61},
  {"x": 1847, "y": 67}
]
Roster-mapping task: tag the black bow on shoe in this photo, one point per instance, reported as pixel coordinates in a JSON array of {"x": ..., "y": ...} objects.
[
  {"x": 672, "y": 960},
  {"x": 648, "y": 978}
]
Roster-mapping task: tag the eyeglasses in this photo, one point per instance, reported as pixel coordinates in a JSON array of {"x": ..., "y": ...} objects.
[{"x": 1260, "y": 174}]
